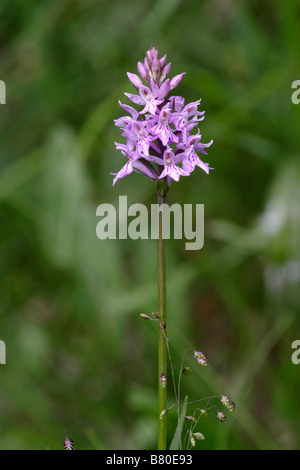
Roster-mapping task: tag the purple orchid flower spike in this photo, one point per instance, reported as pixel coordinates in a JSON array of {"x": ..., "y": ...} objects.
[{"x": 161, "y": 142}]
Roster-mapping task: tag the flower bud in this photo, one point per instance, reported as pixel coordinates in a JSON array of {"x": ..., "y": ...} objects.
[
  {"x": 225, "y": 401},
  {"x": 163, "y": 413},
  {"x": 228, "y": 403},
  {"x": 199, "y": 436},
  {"x": 68, "y": 444},
  {"x": 202, "y": 361},
  {"x": 176, "y": 80},
  {"x": 155, "y": 69},
  {"x": 192, "y": 440},
  {"x": 221, "y": 417},
  {"x": 198, "y": 354},
  {"x": 135, "y": 80},
  {"x": 146, "y": 317},
  {"x": 200, "y": 358},
  {"x": 163, "y": 380},
  {"x": 162, "y": 61},
  {"x": 142, "y": 70},
  {"x": 147, "y": 67},
  {"x": 165, "y": 72},
  {"x": 232, "y": 407},
  {"x": 149, "y": 58},
  {"x": 154, "y": 52},
  {"x": 164, "y": 90},
  {"x": 191, "y": 418}
]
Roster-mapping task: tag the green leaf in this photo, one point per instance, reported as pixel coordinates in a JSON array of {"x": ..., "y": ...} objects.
[{"x": 176, "y": 441}]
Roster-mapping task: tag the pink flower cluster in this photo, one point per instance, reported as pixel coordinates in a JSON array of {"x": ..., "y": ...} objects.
[{"x": 160, "y": 135}]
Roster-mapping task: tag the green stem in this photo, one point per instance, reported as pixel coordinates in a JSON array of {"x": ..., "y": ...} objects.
[{"x": 162, "y": 347}]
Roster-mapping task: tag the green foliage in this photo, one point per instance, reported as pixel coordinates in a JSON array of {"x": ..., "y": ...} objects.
[{"x": 176, "y": 441}]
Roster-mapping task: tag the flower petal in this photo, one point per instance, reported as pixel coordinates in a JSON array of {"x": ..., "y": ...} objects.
[
  {"x": 134, "y": 113},
  {"x": 135, "y": 80},
  {"x": 176, "y": 80},
  {"x": 125, "y": 170},
  {"x": 135, "y": 98}
]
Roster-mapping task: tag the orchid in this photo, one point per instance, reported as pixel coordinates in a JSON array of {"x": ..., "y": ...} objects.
[
  {"x": 161, "y": 142},
  {"x": 162, "y": 129},
  {"x": 170, "y": 167}
]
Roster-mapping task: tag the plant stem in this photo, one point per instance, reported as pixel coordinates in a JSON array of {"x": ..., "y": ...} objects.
[{"x": 162, "y": 346}]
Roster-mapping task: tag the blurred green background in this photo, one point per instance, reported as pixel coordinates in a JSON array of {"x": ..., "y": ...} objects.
[{"x": 79, "y": 358}]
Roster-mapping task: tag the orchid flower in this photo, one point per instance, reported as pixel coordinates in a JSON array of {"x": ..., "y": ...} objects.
[{"x": 162, "y": 135}]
